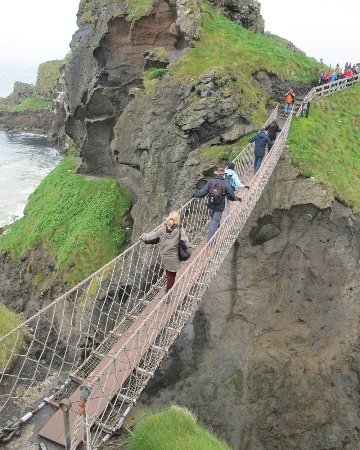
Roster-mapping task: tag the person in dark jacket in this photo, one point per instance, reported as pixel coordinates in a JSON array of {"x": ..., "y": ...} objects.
[
  {"x": 260, "y": 140},
  {"x": 216, "y": 208},
  {"x": 168, "y": 236},
  {"x": 272, "y": 130}
]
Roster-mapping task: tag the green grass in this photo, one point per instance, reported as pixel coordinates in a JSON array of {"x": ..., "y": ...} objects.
[
  {"x": 138, "y": 8},
  {"x": 227, "y": 48},
  {"x": 326, "y": 145},
  {"x": 226, "y": 152},
  {"x": 175, "y": 428},
  {"x": 32, "y": 104},
  {"x": 89, "y": 10},
  {"x": 234, "y": 54},
  {"x": 78, "y": 220},
  {"x": 47, "y": 78},
  {"x": 154, "y": 73},
  {"x": 8, "y": 321}
]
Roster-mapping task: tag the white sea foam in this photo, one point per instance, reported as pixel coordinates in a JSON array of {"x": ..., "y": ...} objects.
[{"x": 25, "y": 159}]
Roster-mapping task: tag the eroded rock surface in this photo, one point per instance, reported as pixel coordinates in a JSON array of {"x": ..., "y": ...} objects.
[
  {"x": 143, "y": 135},
  {"x": 244, "y": 12}
]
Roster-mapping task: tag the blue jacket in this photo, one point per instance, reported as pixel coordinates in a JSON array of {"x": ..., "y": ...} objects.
[
  {"x": 260, "y": 140},
  {"x": 234, "y": 179},
  {"x": 228, "y": 193}
]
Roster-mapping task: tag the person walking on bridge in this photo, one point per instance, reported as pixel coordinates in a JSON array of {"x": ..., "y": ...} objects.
[
  {"x": 233, "y": 178},
  {"x": 168, "y": 237},
  {"x": 260, "y": 140},
  {"x": 216, "y": 190},
  {"x": 272, "y": 130}
]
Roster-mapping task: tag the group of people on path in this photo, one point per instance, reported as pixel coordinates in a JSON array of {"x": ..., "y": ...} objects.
[{"x": 331, "y": 75}]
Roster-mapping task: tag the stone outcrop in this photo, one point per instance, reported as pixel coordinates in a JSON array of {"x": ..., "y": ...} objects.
[
  {"x": 49, "y": 121},
  {"x": 243, "y": 12},
  {"x": 271, "y": 358},
  {"x": 21, "y": 92},
  {"x": 42, "y": 122},
  {"x": 136, "y": 131}
]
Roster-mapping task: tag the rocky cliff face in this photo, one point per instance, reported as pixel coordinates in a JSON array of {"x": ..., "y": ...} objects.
[
  {"x": 139, "y": 133},
  {"x": 243, "y": 12},
  {"x": 271, "y": 358}
]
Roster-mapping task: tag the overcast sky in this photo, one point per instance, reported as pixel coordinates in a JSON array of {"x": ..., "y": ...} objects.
[
  {"x": 322, "y": 29},
  {"x": 42, "y": 29},
  {"x": 38, "y": 30}
]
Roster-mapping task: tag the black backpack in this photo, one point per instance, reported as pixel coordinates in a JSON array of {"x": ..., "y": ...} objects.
[{"x": 216, "y": 192}]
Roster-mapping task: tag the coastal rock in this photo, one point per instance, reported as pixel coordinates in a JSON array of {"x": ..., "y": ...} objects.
[
  {"x": 21, "y": 92},
  {"x": 243, "y": 12},
  {"x": 141, "y": 131}
]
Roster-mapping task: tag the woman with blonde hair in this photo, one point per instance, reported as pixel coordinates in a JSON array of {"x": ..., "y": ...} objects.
[{"x": 168, "y": 237}]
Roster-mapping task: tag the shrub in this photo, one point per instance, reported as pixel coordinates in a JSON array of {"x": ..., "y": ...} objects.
[
  {"x": 155, "y": 73},
  {"x": 12, "y": 344}
]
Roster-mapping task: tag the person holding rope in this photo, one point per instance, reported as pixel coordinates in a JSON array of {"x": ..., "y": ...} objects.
[
  {"x": 216, "y": 190},
  {"x": 168, "y": 236}
]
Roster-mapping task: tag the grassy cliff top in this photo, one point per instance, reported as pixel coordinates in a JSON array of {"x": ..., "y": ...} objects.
[
  {"x": 78, "y": 220},
  {"x": 227, "y": 48},
  {"x": 326, "y": 145},
  {"x": 175, "y": 428},
  {"x": 89, "y": 10},
  {"x": 47, "y": 77}
]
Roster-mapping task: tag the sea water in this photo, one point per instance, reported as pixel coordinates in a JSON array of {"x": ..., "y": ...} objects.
[
  {"x": 25, "y": 159},
  {"x": 12, "y": 70}
]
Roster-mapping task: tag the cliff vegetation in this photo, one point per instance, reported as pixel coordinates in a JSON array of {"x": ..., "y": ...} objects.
[
  {"x": 48, "y": 77},
  {"x": 8, "y": 321},
  {"x": 229, "y": 49},
  {"x": 175, "y": 428},
  {"x": 32, "y": 104},
  {"x": 79, "y": 221},
  {"x": 331, "y": 150}
]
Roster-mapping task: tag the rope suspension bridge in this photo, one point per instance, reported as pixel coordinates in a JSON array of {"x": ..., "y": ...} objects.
[{"x": 85, "y": 358}]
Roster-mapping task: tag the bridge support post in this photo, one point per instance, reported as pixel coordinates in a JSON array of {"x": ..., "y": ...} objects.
[{"x": 65, "y": 406}]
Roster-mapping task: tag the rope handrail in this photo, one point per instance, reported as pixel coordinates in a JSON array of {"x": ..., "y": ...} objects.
[
  {"x": 242, "y": 167},
  {"x": 63, "y": 337}
]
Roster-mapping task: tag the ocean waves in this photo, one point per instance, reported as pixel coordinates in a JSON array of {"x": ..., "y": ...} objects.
[{"x": 25, "y": 159}]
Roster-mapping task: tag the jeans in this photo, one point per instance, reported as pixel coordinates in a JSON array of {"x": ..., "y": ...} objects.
[
  {"x": 215, "y": 222},
  {"x": 257, "y": 163},
  {"x": 287, "y": 108}
]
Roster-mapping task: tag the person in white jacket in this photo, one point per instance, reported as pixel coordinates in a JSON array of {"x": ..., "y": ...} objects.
[{"x": 233, "y": 178}]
